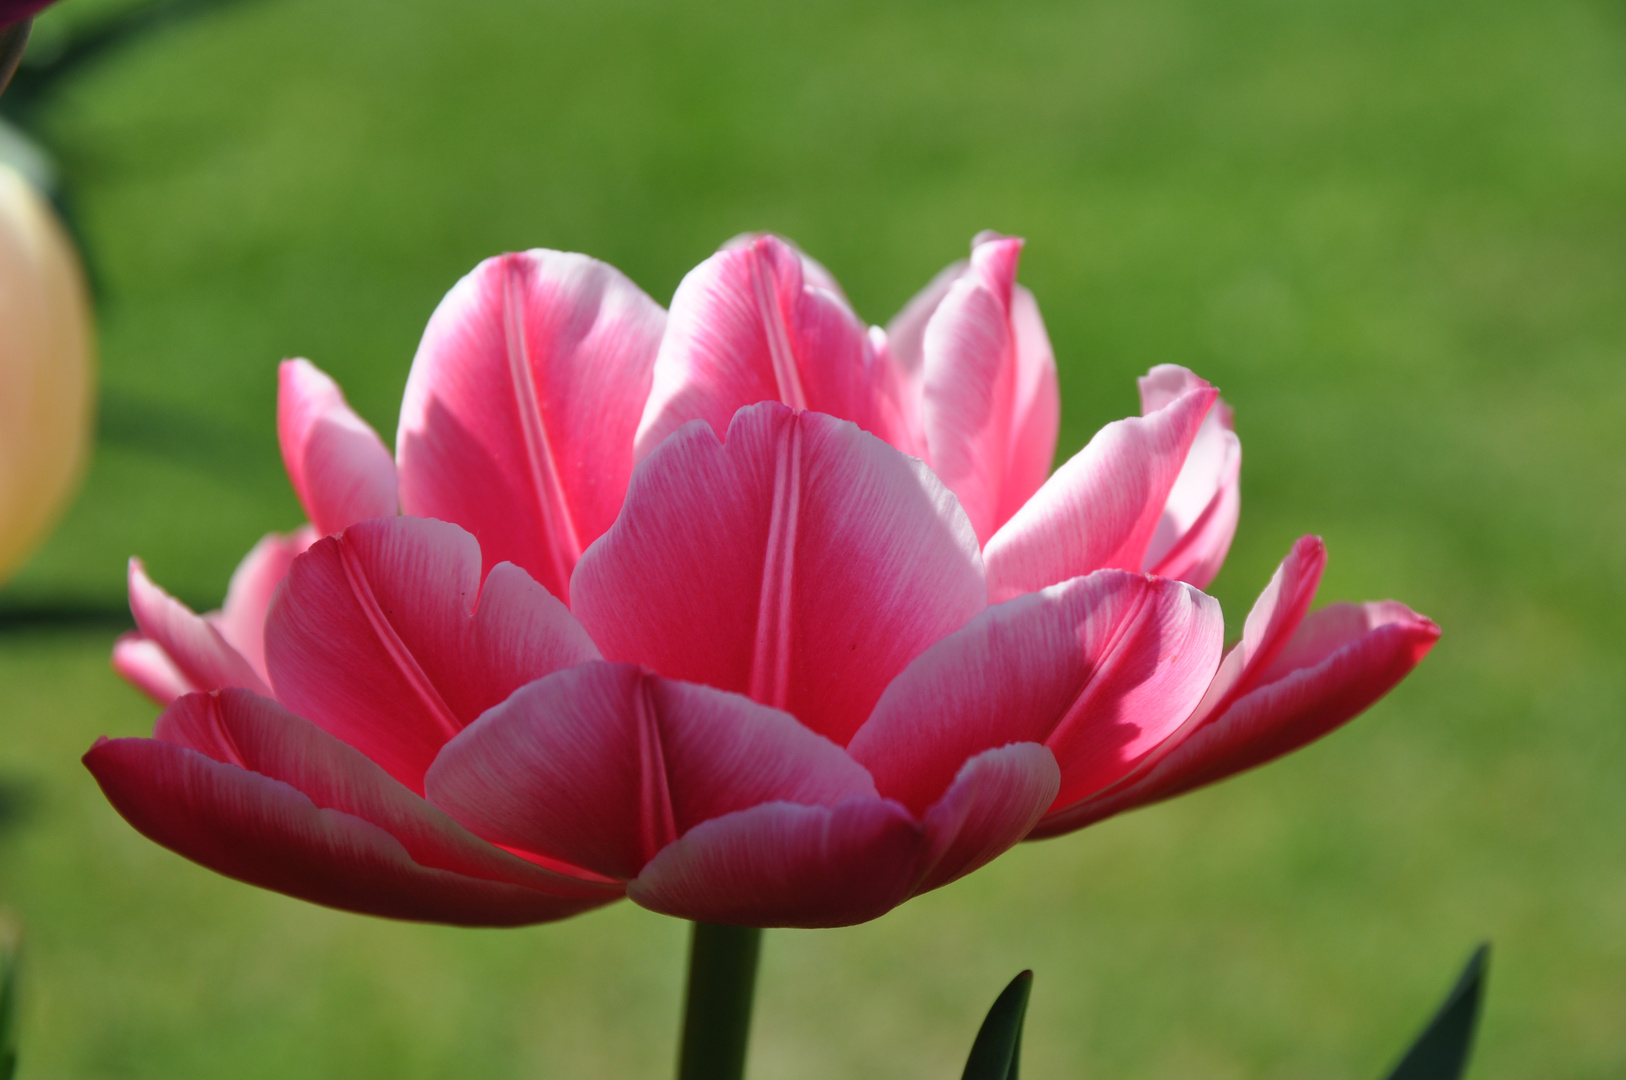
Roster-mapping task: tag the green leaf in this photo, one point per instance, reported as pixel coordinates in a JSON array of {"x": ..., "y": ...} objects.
[
  {"x": 1441, "y": 1051},
  {"x": 998, "y": 1049}
]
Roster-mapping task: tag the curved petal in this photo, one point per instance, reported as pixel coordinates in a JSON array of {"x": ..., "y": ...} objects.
[
  {"x": 241, "y": 620},
  {"x": 747, "y": 326},
  {"x": 340, "y": 468},
  {"x": 253, "y": 733},
  {"x": 519, "y": 414},
  {"x": 1286, "y": 684},
  {"x": 268, "y": 833},
  {"x": 146, "y": 666},
  {"x": 785, "y": 865},
  {"x": 1100, "y": 670},
  {"x": 906, "y": 333},
  {"x": 970, "y": 382},
  {"x": 1199, "y": 519},
  {"x": 196, "y": 649},
  {"x": 1036, "y": 408},
  {"x": 994, "y": 802},
  {"x": 603, "y": 765},
  {"x": 1100, "y": 509},
  {"x": 385, "y": 637},
  {"x": 803, "y": 563}
]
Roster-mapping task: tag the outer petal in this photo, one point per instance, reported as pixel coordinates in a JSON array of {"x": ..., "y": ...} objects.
[
  {"x": 747, "y": 326},
  {"x": 196, "y": 649},
  {"x": 970, "y": 382},
  {"x": 1036, "y": 409},
  {"x": 1100, "y": 510},
  {"x": 603, "y": 765},
  {"x": 781, "y": 864},
  {"x": 340, "y": 468},
  {"x": 145, "y": 665},
  {"x": 1286, "y": 684},
  {"x": 519, "y": 414},
  {"x": 1200, "y": 517},
  {"x": 803, "y": 562},
  {"x": 384, "y": 636},
  {"x": 294, "y": 810},
  {"x": 994, "y": 802},
  {"x": 242, "y": 620},
  {"x": 1100, "y": 669}
]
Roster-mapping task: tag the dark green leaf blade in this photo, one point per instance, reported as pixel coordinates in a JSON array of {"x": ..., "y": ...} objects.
[
  {"x": 1441, "y": 1051},
  {"x": 997, "y": 1051}
]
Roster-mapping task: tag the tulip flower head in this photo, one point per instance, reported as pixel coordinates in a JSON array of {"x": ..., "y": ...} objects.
[
  {"x": 46, "y": 368},
  {"x": 744, "y": 610}
]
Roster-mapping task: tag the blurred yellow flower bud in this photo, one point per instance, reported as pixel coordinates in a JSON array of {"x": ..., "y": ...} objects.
[{"x": 47, "y": 377}]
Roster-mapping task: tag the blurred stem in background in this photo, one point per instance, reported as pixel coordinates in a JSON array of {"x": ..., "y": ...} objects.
[
  {"x": 13, "y": 40},
  {"x": 717, "y": 1007}
]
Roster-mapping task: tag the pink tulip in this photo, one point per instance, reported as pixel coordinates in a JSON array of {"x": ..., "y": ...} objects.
[{"x": 834, "y": 640}]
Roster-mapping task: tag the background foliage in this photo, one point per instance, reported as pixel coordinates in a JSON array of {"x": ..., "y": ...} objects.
[{"x": 1393, "y": 233}]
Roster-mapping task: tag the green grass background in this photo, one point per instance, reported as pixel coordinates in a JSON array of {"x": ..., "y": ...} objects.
[{"x": 1394, "y": 234}]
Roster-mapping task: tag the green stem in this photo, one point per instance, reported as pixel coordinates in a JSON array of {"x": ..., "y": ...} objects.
[{"x": 717, "y": 1011}]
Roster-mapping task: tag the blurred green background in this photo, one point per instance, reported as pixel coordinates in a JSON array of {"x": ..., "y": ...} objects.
[{"x": 1393, "y": 233}]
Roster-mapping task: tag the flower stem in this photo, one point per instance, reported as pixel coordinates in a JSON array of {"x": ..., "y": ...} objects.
[{"x": 717, "y": 1011}]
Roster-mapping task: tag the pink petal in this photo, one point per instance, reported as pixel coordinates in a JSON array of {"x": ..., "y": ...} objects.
[
  {"x": 248, "y": 597},
  {"x": 781, "y": 864},
  {"x": 1100, "y": 509},
  {"x": 254, "y": 733},
  {"x": 267, "y": 832},
  {"x": 519, "y": 414},
  {"x": 1199, "y": 519},
  {"x": 994, "y": 802},
  {"x": 1099, "y": 669},
  {"x": 145, "y": 665},
  {"x": 814, "y": 273},
  {"x": 385, "y": 637},
  {"x": 746, "y": 327},
  {"x": 339, "y": 467},
  {"x": 603, "y": 765},
  {"x": 196, "y": 649},
  {"x": 969, "y": 383},
  {"x": 906, "y": 333},
  {"x": 1286, "y": 684},
  {"x": 1036, "y": 412},
  {"x": 803, "y": 563}
]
